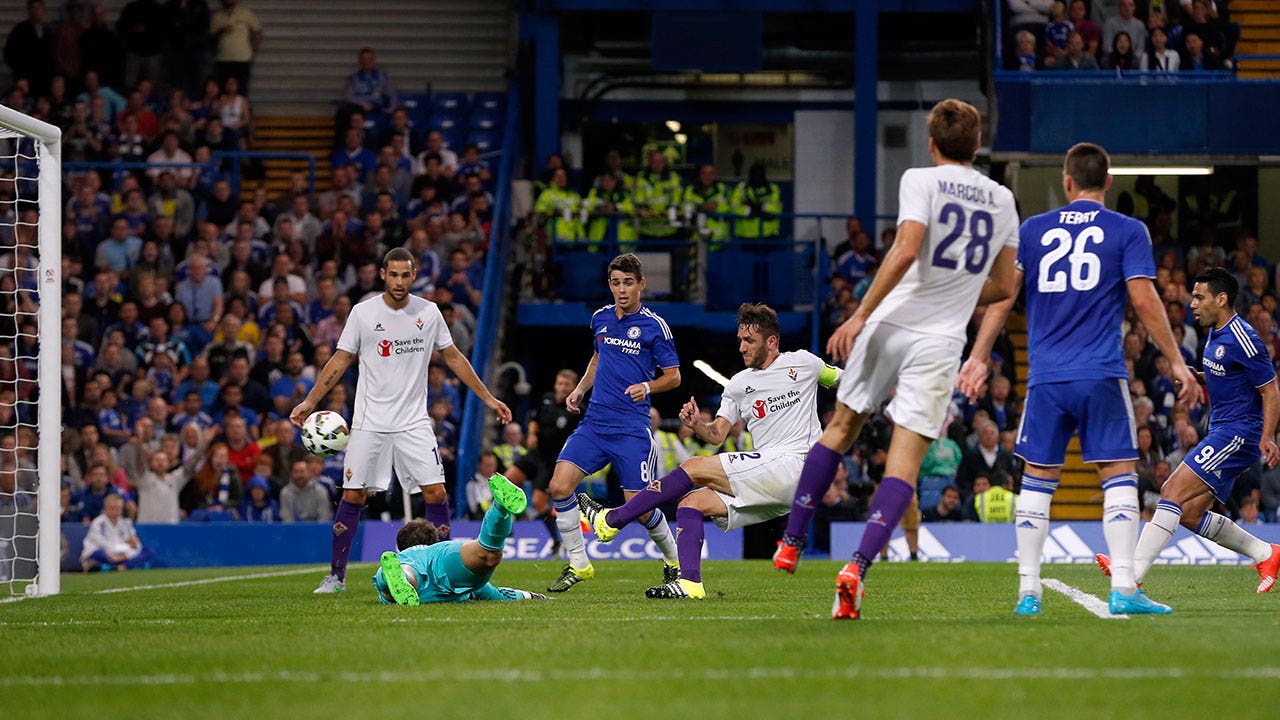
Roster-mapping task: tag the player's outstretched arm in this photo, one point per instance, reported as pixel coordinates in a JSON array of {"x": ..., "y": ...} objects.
[
  {"x": 329, "y": 376},
  {"x": 1270, "y": 413},
  {"x": 1146, "y": 302},
  {"x": 461, "y": 367},
  {"x": 668, "y": 380}
]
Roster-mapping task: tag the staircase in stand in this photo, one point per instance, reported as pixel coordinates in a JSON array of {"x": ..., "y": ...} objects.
[
  {"x": 312, "y": 135},
  {"x": 1259, "y": 35}
]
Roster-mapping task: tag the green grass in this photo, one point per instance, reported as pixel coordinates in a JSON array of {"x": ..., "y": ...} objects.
[{"x": 936, "y": 641}]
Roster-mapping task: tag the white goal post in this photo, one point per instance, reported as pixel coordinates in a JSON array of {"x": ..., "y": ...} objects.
[{"x": 48, "y": 182}]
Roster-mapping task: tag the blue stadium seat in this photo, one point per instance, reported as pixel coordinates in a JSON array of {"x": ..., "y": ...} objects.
[
  {"x": 490, "y": 101},
  {"x": 486, "y": 120},
  {"x": 580, "y": 272},
  {"x": 484, "y": 140},
  {"x": 453, "y": 102},
  {"x": 446, "y": 122},
  {"x": 415, "y": 101},
  {"x": 931, "y": 490},
  {"x": 453, "y": 140}
]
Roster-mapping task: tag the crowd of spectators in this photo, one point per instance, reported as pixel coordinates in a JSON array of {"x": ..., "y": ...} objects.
[
  {"x": 1119, "y": 35},
  {"x": 196, "y": 316}
]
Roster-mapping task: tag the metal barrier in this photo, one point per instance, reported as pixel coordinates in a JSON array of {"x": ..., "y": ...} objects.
[{"x": 471, "y": 432}]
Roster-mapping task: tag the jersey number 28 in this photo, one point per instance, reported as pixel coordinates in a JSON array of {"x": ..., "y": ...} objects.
[
  {"x": 1086, "y": 268},
  {"x": 980, "y": 227}
]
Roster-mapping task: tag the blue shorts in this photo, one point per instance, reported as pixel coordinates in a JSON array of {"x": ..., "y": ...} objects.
[
  {"x": 1099, "y": 409},
  {"x": 1220, "y": 458},
  {"x": 632, "y": 453}
]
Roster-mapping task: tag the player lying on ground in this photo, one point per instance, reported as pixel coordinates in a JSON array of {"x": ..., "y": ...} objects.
[
  {"x": 1242, "y": 428},
  {"x": 426, "y": 569},
  {"x": 777, "y": 397}
]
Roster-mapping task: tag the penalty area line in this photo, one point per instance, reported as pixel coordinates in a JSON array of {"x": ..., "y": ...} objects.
[{"x": 1083, "y": 599}]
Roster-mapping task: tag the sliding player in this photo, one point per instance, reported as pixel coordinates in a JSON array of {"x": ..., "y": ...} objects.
[{"x": 777, "y": 397}]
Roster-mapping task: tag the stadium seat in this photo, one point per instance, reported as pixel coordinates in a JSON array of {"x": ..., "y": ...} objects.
[
  {"x": 494, "y": 102},
  {"x": 415, "y": 101},
  {"x": 484, "y": 140},
  {"x": 931, "y": 490},
  {"x": 451, "y": 102},
  {"x": 445, "y": 122},
  {"x": 453, "y": 139},
  {"x": 486, "y": 120}
]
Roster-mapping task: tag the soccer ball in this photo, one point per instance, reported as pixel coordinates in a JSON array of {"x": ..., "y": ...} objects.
[{"x": 325, "y": 433}]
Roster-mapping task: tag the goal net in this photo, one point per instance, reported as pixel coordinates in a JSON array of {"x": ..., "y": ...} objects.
[{"x": 30, "y": 355}]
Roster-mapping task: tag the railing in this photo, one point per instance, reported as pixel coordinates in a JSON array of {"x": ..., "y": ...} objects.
[
  {"x": 213, "y": 167},
  {"x": 472, "y": 431}
]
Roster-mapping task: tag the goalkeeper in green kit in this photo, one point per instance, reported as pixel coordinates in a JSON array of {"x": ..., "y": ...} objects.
[{"x": 427, "y": 570}]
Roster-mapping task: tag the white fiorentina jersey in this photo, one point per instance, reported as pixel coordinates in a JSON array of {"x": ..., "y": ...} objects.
[
  {"x": 779, "y": 403},
  {"x": 968, "y": 218},
  {"x": 394, "y": 347}
]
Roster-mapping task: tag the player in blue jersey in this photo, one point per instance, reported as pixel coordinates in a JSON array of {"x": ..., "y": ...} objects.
[
  {"x": 632, "y": 346},
  {"x": 426, "y": 569},
  {"x": 1244, "y": 405},
  {"x": 1082, "y": 263}
]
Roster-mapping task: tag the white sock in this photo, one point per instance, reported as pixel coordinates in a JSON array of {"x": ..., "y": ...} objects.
[
  {"x": 1155, "y": 535},
  {"x": 1220, "y": 529},
  {"x": 1120, "y": 528},
  {"x": 660, "y": 533},
  {"x": 1031, "y": 527},
  {"x": 569, "y": 523}
]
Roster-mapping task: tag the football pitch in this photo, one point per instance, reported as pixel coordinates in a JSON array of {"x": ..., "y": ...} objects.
[{"x": 937, "y": 640}]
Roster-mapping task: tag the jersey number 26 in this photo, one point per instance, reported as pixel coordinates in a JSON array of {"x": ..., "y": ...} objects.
[{"x": 1085, "y": 267}]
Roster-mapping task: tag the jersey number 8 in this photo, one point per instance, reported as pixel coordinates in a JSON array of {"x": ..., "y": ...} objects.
[
  {"x": 1086, "y": 268},
  {"x": 980, "y": 226}
]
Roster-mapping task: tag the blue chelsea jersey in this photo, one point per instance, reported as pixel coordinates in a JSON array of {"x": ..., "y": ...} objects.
[
  {"x": 632, "y": 349},
  {"x": 1236, "y": 364},
  {"x": 1076, "y": 261}
]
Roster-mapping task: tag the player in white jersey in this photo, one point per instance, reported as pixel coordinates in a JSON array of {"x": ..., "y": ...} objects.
[
  {"x": 776, "y": 396},
  {"x": 394, "y": 335},
  {"x": 955, "y": 247}
]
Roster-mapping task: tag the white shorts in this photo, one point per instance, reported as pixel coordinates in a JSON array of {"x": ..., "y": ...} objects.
[
  {"x": 923, "y": 367},
  {"x": 763, "y": 484},
  {"x": 371, "y": 456}
]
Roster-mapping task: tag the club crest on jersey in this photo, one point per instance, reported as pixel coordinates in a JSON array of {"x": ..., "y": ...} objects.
[
  {"x": 633, "y": 332},
  {"x": 791, "y": 373},
  {"x": 384, "y": 348},
  {"x": 1219, "y": 351},
  {"x": 758, "y": 409},
  {"x": 419, "y": 321},
  {"x": 379, "y": 328}
]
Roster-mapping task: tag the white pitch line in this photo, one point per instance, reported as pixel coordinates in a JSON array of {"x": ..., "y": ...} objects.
[
  {"x": 530, "y": 675},
  {"x": 209, "y": 581},
  {"x": 1083, "y": 599}
]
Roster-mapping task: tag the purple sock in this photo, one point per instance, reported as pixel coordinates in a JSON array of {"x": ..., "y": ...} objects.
[
  {"x": 438, "y": 515},
  {"x": 819, "y": 470},
  {"x": 673, "y": 486},
  {"x": 345, "y": 523},
  {"x": 891, "y": 500},
  {"x": 690, "y": 533}
]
